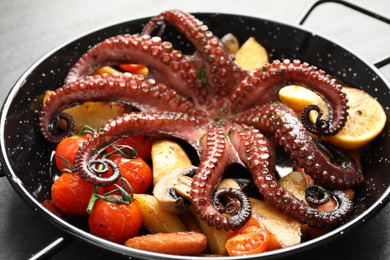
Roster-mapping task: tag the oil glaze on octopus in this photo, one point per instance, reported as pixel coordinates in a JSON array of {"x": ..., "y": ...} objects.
[{"x": 223, "y": 111}]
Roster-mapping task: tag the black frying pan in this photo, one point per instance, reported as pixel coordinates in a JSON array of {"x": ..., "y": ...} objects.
[{"x": 26, "y": 157}]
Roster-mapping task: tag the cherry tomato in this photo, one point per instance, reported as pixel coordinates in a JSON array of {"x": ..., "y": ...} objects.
[
  {"x": 130, "y": 67},
  {"x": 115, "y": 222},
  {"x": 252, "y": 238},
  {"x": 70, "y": 194},
  {"x": 67, "y": 149},
  {"x": 142, "y": 144},
  {"x": 136, "y": 171}
]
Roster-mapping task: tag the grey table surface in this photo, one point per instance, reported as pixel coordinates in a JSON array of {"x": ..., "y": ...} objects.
[{"x": 29, "y": 29}]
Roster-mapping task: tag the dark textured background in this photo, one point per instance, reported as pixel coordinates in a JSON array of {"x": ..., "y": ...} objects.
[{"x": 29, "y": 29}]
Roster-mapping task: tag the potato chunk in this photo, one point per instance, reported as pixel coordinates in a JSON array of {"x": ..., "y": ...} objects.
[
  {"x": 167, "y": 156},
  {"x": 251, "y": 55},
  {"x": 155, "y": 218},
  {"x": 286, "y": 230}
]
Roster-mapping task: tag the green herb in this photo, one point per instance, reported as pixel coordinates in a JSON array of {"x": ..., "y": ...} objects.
[{"x": 201, "y": 75}]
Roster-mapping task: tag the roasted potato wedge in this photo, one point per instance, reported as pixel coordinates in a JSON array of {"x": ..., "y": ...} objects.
[
  {"x": 295, "y": 183},
  {"x": 216, "y": 239},
  {"x": 155, "y": 218},
  {"x": 167, "y": 156},
  {"x": 251, "y": 55},
  {"x": 286, "y": 230}
]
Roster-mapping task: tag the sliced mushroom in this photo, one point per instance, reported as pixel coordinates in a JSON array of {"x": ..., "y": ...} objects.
[{"x": 173, "y": 190}]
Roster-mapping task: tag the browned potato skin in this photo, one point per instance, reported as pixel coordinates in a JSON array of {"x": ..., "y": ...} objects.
[
  {"x": 167, "y": 156},
  {"x": 216, "y": 239},
  {"x": 178, "y": 243},
  {"x": 155, "y": 218},
  {"x": 286, "y": 230}
]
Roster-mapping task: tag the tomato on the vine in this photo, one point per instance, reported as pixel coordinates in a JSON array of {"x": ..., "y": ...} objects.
[
  {"x": 136, "y": 171},
  {"x": 70, "y": 194},
  {"x": 141, "y": 144},
  {"x": 67, "y": 149},
  {"x": 252, "y": 238},
  {"x": 115, "y": 222}
]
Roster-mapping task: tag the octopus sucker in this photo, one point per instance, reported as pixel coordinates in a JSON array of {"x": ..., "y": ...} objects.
[{"x": 226, "y": 113}]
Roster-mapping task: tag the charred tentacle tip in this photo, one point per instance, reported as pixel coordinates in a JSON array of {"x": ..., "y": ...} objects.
[
  {"x": 235, "y": 204},
  {"x": 317, "y": 195},
  {"x": 321, "y": 126},
  {"x": 56, "y": 131}
]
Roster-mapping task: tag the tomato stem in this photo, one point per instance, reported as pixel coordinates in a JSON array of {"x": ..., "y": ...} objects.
[
  {"x": 93, "y": 199},
  {"x": 126, "y": 197}
]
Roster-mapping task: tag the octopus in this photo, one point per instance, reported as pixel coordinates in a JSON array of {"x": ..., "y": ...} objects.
[{"x": 227, "y": 114}]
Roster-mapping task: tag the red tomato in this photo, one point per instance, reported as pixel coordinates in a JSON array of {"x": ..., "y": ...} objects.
[
  {"x": 70, "y": 194},
  {"x": 142, "y": 144},
  {"x": 136, "y": 171},
  {"x": 252, "y": 238},
  {"x": 115, "y": 222},
  {"x": 67, "y": 149},
  {"x": 132, "y": 68}
]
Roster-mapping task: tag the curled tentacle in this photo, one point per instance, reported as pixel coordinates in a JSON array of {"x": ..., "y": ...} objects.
[
  {"x": 57, "y": 133},
  {"x": 264, "y": 84},
  {"x": 256, "y": 153},
  {"x": 281, "y": 121},
  {"x": 96, "y": 168},
  {"x": 157, "y": 124},
  {"x": 135, "y": 90},
  {"x": 234, "y": 203}
]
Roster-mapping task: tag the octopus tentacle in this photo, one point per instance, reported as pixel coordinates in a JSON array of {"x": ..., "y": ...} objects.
[
  {"x": 145, "y": 95},
  {"x": 56, "y": 133},
  {"x": 212, "y": 165},
  {"x": 220, "y": 72},
  {"x": 264, "y": 84},
  {"x": 316, "y": 194},
  {"x": 280, "y": 120},
  {"x": 257, "y": 155},
  {"x": 151, "y": 124},
  {"x": 166, "y": 65}
]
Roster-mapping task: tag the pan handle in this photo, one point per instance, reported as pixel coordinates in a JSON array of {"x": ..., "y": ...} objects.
[
  {"x": 52, "y": 248},
  {"x": 381, "y": 61}
]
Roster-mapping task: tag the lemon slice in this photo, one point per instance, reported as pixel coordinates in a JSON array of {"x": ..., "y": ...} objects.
[
  {"x": 297, "y": 97},
  {"x": 251, "y": 55},
  {"x": 365, "y": 121}
]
